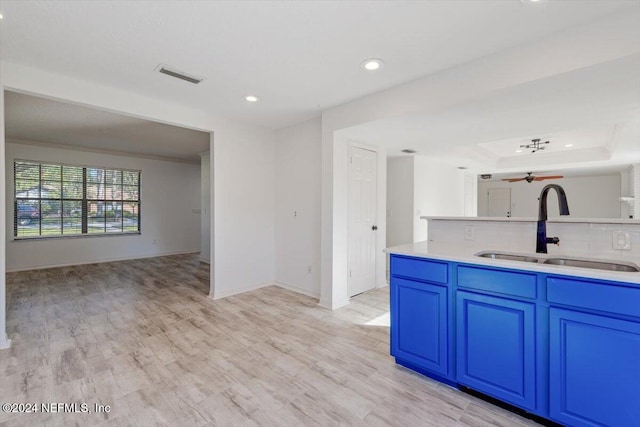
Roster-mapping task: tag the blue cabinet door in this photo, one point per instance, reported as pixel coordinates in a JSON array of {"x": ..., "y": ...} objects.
[
  {"x": 419, "y": 324},
  {"x": 496, "y": 347},
  {"x": 594, "y": 370}
]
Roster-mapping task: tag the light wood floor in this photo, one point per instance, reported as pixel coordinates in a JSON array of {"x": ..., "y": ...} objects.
[{"x": 143, "y": 337}]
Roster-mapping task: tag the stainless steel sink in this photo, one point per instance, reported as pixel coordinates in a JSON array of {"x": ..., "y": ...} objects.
[
  {"x": 598, "y": 265},
  {"x": 628, "y": 267},
  {"x": 507, "y": 256}
]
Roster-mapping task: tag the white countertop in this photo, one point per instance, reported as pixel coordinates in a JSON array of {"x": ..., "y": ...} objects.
[
  {"x": 524, "y": 219},
  {"x": 457, "y": 253}
]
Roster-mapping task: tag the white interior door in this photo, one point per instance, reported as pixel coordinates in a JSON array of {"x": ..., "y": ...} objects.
[
  {"x": 500, "y": 202},
  {"x": 362, "y": 220}
]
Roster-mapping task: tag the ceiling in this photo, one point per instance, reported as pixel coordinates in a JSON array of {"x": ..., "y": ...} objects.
[
  {"x": 596, "y": 109},
  {"x": 34, "y": 119},
  {"x": 299, "y": 57}
]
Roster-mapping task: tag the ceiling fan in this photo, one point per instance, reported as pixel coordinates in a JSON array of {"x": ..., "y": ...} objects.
[
  {"x": 530, "y": 178},
  {"x": 536, "y": 145}
]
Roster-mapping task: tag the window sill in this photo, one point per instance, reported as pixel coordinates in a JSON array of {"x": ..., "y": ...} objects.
[{"x": 74, "y": 236}]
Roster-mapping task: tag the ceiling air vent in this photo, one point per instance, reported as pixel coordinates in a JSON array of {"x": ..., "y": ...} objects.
[
  {"x": 179, "y": 74},
  {"x": 409, "y": 151}
]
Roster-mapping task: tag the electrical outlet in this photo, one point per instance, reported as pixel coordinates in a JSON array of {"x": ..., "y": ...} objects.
[
  {"x": 469, "y": 232},
  {"x": 621, "y": 240}
]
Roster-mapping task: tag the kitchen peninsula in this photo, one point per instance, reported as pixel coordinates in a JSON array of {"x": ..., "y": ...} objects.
[{"x": 475, "y": 307}]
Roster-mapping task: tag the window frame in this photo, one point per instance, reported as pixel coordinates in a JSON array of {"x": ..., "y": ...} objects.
[{"x": 84, "y": 202}]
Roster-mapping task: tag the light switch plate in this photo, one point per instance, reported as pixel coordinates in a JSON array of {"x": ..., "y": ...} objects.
[
  {"x": 621, "y": 240},
  {"x": 469, "y": 232}
]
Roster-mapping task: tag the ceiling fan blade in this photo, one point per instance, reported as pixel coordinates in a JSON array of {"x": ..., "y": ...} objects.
[
  {"x": 514, "y": 179},
  {"x": 542, "y": 178}
]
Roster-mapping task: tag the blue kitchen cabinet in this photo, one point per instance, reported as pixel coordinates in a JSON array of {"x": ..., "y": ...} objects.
[
  {"x": 495, "y": 349},
  {"x": 419, "y": 325},
  {"x": 565, "y": 348},
  {"x": 594, "y": 370},
  {"x": 594, "y": 352},
  {"x": 420, "y": 331}
]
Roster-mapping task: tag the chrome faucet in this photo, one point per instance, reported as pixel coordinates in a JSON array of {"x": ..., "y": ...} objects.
[{"x": 542, "y": 239}]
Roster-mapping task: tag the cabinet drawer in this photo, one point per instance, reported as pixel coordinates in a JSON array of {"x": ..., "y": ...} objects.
[
  {"x": 421, "y": 269},
  {"x": 499, "y": 281},
  {"x": 594, "y": 295}
]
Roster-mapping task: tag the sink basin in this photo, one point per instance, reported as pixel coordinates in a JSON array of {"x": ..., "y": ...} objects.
[
  {"x": 628, "y": 267},
  {"x": 598, "y": 265},
  {"x": 507, "y": 256}
]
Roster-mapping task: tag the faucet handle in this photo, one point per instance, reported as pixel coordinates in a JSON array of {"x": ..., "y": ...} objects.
[{"x": 554, "y": 240}]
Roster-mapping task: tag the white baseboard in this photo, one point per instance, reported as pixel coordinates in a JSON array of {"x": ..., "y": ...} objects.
[
  {"x": 99, "y": 261},
  {"x": 235, "y": 291},
  {"x": 324, "y": 304},
  {"x": 331, "y": 306},
  {"x": 296, "y": 289},
  {"x": 5, "y": 342},
  {"x": 382, "y": 285}
]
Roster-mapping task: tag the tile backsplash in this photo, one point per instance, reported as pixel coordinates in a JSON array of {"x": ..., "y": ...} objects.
[{"x": 583, "y": 239}]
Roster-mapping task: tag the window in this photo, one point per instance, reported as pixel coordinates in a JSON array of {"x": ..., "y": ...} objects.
[{"x": 63, "y": 200}]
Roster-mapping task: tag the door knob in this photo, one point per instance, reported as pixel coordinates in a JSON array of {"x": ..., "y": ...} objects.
[{"x": 374, "y": 227}]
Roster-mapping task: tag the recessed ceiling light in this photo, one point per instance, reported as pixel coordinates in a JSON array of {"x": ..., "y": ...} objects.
[
  {"x": 409, "y": 151},
  {"x": 568, "y": 145},
  {"x": 372, "y": 64},
  {"x": 252, "y": 98},
  {"x": 1, "y": 16},
  {"x": 462, "y": 167},
  {"x": 518, "y": 151}
]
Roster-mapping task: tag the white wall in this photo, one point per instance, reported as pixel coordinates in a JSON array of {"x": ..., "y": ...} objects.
[
  {"x": 588, "y": 196},
  {"x": 419, "y": 186},
  {"x": 4, "y": 340},
  {"x": 244, "y": 204},
  {"x": 400, "y": 199},
  {"x": 635, "y": 175},
  {"x": 205, "y": 207},
  {"x": 170, "y": 191},
  {"x": 439, "y": 191},
  {"x": 297, "y": 211},
  {"x": 470, "y": 194}
]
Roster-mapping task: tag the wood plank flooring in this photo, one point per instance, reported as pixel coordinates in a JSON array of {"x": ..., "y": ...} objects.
[{"x": 143, "y": 337}]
